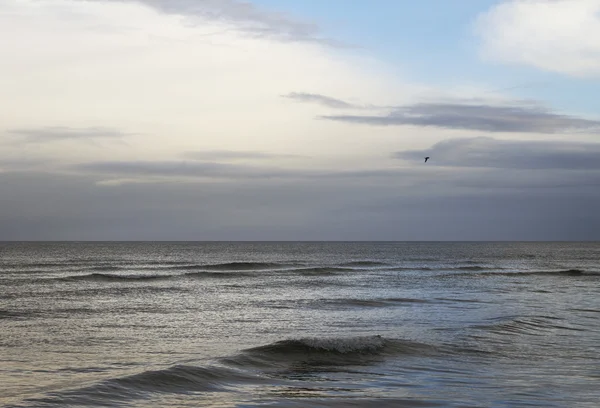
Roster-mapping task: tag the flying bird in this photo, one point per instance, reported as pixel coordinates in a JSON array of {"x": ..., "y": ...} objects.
[{"x": 426, "y": 158}]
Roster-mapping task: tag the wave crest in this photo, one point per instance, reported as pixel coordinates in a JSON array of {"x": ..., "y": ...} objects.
[
  {"x": 366, "y": 344},
  {"x": 304, "y": 353}
]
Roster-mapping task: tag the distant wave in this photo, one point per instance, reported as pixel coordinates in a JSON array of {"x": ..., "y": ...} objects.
[
  {"x": 321, "y": 270},
  {"x": 235, "y": 266},
  {"x": 471, "y": 268},
  {"x": 106, "y": 268},
  {"x": 110, "y": 278},
  {"x": 352, "y": 302},
  {"x": 216, "y": 275},
  {"x": 528, "y": 325},
  {"x": 576, "y": 272},
  {"x": 159, "y": 262},
  {"x": 408, "y": 268},
  {"x": 363, "y": 263},
  {"x": 15, "y": 315},
  {"x": 446, "y": 268},
  {"x": 516, "y": 273},
  {"x": 566, "y": 272}
]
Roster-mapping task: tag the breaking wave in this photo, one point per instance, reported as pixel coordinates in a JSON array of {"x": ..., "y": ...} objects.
[{"x": 304, "y": 353}]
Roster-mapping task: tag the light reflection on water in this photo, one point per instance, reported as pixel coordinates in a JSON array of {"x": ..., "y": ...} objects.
[{"x": 175, "y": 324}]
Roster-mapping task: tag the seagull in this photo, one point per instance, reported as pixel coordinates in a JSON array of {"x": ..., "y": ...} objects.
[{"x": 426, "y": 158}]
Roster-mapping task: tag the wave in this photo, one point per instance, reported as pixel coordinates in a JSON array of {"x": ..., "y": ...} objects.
[
  {"x": 349, "y": 345},
  {"x": 566, "y": 272},
  {"x": 577, "y": 272},
  {"x": 321, "y": 271},
  {"x": 176, "y": 379},
  {"x": 237, "y": 266},
  {"x": 103, "y": 277},
  {"x": 383, "y": 302},
  {"x": 216, "y": 275},
  {"x": 471, "y": 268},
  {"x": 364, "y": 263},
  {"x": 528, "y": 325},
  {"x": 14, "y": 315},
  {"x": 305, "y": 353},
  {"x": 106, "y": 268}
]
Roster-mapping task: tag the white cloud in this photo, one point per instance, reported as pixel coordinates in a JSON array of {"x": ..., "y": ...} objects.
[
  {"x": 555, "y": 35},
  {"x": 176, "y": 87}
]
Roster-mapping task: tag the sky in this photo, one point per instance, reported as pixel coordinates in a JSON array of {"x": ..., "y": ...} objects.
[{"x": 299, "y": 120}]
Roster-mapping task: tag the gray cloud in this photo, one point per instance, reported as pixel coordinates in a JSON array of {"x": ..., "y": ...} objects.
[
  {"x": 416, "y": 180},
  {"x": 51, "y": 134},
  {"x": 495, "y": 153},
  {"x": 312, "y": 209},
  {"x": 481, "y": 117},
  {"x": 320, "y": 99},
  {"x": 171, "y": 169},
  {"x": 23, "y": 163},
  {"x": 233, "y": 155},
  {"x": 245, "y": 16},
  {"x": 192, "y": 169}
]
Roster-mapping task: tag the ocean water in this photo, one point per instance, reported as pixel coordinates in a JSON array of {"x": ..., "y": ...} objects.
[{"x": 300, "y": 324}]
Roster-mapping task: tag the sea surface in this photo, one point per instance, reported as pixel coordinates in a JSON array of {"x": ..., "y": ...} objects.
[{"x": 382, "y": 324}]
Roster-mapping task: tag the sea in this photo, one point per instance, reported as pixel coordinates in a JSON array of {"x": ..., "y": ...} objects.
[{"x": 300, "y": 324}]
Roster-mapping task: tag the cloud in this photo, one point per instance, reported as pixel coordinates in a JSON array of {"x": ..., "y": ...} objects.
[
  {"x": 180, "y": 169},
  {"x": 320, "y": 99},
  {"x": 8, "y": 164},
  {"x": 56, "y": 133},
  {"x": 188, "y": 93},
  {"x": 482, "y": 117},
  {"x": 554, "y": 35},
  {"x": 244, "y": 17},
  {"x": 234, "y": 155},
  {"x": 315, "y": 209},
  {"x": 509, "y": 154},
  {"x": 124, "y": 172}
]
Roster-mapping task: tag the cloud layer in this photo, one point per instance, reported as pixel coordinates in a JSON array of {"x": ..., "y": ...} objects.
[
  {"x": 514, "y": 117},
  {"x": 55, "y": 133},
  {"x": 434, "y": 207},
  {"x": 488, "y": 152},
  {"x": 215, "y": 155}
]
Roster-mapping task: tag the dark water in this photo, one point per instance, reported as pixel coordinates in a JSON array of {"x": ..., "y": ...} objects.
[{"x": 300, "y": 324}]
